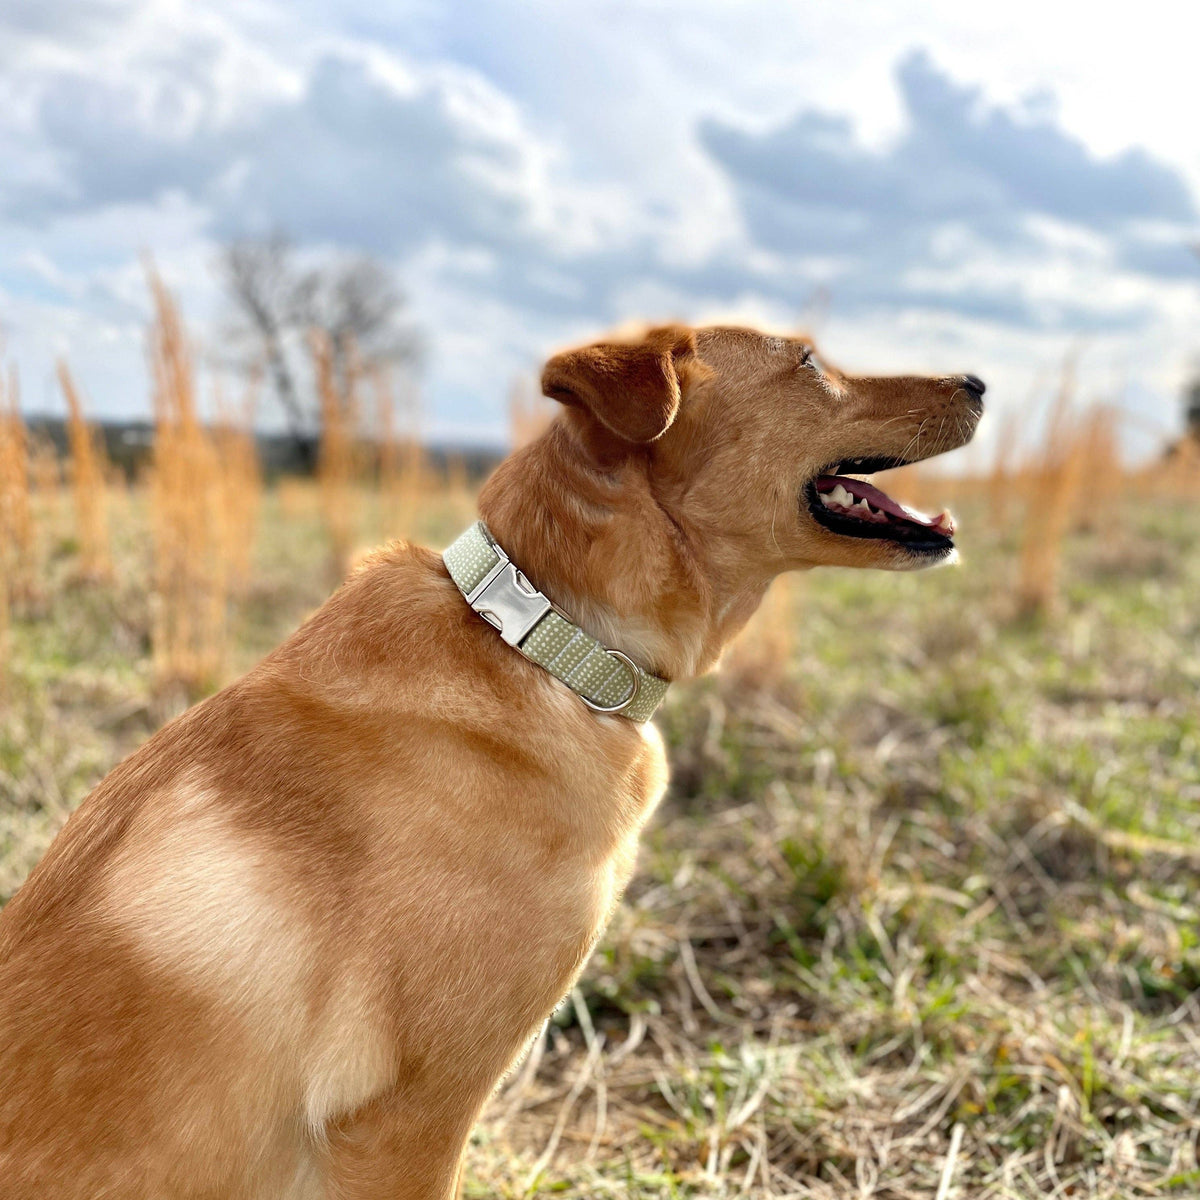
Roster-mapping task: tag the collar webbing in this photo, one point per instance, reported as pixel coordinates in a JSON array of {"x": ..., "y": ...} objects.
[{"x": 607, "y": 680}]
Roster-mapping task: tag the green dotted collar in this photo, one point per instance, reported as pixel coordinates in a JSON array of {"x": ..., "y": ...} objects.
[{"x": 608, "y": 681}]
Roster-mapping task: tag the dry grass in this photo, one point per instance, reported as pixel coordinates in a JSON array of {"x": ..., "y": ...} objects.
[
  {"x": 188, "y": 503},
  {"x": 240, "y": 486},
  {"x": 87, "y": 472},
  {"x": 1001, "y": 476},
  {"x": 403, "y": 470},
  {"x": 336, "y": 471},
  {"x": 16, "y": 525},
  {"x": 1101, "y": 469},
  {"x": 1051, "y": 486},
  {"x": 920, "y": 905},
  {"x": 904, "y": 924},
  {"x": 45, "y": 468},
  {"x": 17, "y": 540}
]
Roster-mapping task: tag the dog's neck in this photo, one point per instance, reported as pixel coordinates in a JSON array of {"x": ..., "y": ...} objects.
[{"x": 612, "y": 555}]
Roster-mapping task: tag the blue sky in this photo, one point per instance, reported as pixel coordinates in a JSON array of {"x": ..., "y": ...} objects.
[{"x": 927, "y": 185}]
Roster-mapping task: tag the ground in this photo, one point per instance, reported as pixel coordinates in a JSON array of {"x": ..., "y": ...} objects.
[{"x": 918, "y": 918}]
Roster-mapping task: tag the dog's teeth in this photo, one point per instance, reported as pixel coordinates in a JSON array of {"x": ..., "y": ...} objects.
[{"x": 840, "y": 496}]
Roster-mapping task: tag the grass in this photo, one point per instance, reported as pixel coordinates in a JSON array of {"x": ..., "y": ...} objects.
[
  {"x": 919, "y": 915},
  {"x": 193, "y": 557},
  {"x": 87, "y": 468}
]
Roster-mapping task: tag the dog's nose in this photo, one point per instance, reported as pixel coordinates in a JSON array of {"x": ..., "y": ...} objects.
[{"x": 974, "y": 385}]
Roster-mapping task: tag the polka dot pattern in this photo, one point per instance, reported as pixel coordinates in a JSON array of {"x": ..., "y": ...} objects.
[
  {"x": 469, "y": 559},
  {"x": 568, "y": 653}
]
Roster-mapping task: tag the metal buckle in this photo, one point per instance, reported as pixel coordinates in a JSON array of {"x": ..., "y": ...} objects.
[
  {"x": 506, "y": 599},
  {"x": 637, "y": 686}
]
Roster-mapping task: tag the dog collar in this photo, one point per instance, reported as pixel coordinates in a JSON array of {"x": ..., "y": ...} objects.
[{"x": 606, "y": 680}]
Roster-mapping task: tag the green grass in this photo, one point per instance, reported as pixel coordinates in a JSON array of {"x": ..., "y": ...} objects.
[{"x": 940, "y": 870}]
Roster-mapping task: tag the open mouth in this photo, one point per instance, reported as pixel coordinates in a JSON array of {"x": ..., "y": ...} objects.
[{"x": 850, "y": 506}]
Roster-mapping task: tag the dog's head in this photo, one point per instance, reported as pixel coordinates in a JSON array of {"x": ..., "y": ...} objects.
[
  {"x": 756, "y": 442},
  {"x": 692, "y": 466}
]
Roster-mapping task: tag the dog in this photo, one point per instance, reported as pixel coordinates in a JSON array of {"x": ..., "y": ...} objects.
[{"x": 288, "y": 948}]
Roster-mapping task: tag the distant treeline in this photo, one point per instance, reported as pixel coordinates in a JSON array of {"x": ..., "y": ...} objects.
[{"x": 129, "y": 444}]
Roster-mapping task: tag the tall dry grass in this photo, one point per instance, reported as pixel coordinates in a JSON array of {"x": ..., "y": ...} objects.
[
  {"x": 88, "y": 467},
  {"x": 1050, "y": 482},
  {"x": 404, "y": 476},
  {"x": 239, "y": 482},
  {"x": 191, "y": 559},
  {"x": 45, "y": 468},
  {"x": 5, "y": 637},
  {"x": 16, "y": 519},
  {"x": 338, "y": 400},
  {"x": 1001, "y": 478},
  {"x": 1101, "y": 469},
  {"x": 50, "y": 506},
  {"x": 17, "y": 540}
]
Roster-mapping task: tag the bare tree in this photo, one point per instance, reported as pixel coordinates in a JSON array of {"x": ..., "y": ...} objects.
[
  {"x": 354, "y": 300},
  {"x": 261, "y": 280}
]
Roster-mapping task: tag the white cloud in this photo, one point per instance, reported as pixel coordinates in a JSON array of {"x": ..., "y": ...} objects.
[{"x": 541, "y": 169}]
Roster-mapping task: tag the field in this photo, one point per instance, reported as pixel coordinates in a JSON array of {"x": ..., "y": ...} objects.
[{"x": 919, "y": 916}]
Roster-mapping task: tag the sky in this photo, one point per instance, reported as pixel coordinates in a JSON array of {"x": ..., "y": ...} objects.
[{"x": 924, "y": 185}]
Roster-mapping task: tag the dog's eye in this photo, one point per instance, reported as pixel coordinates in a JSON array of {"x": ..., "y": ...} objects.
[
  {"x": 809, "y": 359},
  {"x": 806, "y": 356}
]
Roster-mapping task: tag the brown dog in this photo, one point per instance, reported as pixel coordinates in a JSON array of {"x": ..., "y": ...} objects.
[{"x": 288, "y": 947}]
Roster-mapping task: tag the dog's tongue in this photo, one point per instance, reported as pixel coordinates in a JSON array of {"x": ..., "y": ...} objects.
[{"x": 860, "y": 489}]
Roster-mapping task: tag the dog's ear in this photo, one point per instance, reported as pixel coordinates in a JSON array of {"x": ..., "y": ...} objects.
[{"x": 632, "y": 388}]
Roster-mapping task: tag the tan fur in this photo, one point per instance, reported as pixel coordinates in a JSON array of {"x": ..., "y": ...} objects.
[{"x": 288, "y": 947}]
